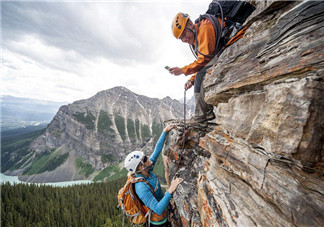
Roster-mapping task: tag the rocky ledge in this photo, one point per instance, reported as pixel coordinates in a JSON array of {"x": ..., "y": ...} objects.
[{"x": 262, "y": 162}]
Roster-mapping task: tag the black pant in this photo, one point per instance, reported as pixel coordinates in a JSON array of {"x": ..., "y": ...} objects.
[{"x": 199, "y": 78}]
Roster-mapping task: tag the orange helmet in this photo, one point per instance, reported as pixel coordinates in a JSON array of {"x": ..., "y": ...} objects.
[{"x": 179, "y": 24}]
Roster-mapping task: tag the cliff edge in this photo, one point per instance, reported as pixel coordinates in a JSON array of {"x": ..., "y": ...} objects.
[{"x": 261, "y": 163}]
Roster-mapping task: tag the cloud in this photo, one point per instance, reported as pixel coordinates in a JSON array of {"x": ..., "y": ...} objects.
[
  {"x": 92, "y": 29},
  {"x": 65, "y": 51}
]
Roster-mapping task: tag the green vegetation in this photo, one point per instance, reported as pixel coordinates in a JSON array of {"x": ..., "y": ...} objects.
[
  {"x": 146, "y": 133},
  {"x": 111, "y": 173},
  {"x": 86, "y": 118},
  {"x": 46, "y": 161},
  {"x": 24, "y": 162},
  {"x": 105, "y": 158},
  {"x": 18, "y": 132},
  {"x": 84, "y": 167},
  {"x": 120, "y": 123},
  {"x": 104, "y": 145},
  {"x": 104, "y": 124},
  {"x": 80, "y": 205},
  {"x": 159, "y": 169},
  {"x": 56, "y": 162},
  {"x": 157, "y": 128},
  {"x": 38, "y": 163},
  {"x": 15, "y": 148},
  {"x": 137, "y": 126},
  {"x": 131, "y": 130},
  {"x": 56, "y": 133}
]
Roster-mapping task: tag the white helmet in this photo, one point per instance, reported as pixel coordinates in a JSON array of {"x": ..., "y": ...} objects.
[{"x": 132, "y": 160}]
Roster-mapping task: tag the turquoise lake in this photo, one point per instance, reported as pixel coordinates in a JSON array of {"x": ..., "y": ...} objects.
[{"x": 15, "y": 180}]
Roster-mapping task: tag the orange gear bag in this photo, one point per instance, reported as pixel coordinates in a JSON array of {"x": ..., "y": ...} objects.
[{"x": 132, "y": 206}]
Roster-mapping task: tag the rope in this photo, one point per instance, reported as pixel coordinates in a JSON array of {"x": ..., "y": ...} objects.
[
  {"x": 184, "y": 129},
  {"x": 184, "y": 119}
]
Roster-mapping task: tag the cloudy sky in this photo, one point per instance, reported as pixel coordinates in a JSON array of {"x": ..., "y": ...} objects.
[{"x": 70, "y": 50}]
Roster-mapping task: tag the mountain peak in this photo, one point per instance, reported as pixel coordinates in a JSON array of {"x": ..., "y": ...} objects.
[{"x": 103, "y": 129}]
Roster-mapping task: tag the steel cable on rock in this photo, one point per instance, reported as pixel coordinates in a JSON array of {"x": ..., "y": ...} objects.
[{"x": 184, "y": 130}]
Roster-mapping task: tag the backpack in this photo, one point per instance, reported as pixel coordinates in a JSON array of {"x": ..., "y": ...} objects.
[
  {"x": 233, "y": 13},
  {"x": 130, "y": 204}
]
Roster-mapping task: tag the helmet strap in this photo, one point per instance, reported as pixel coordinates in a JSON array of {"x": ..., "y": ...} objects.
[
  {"x": 145, "y": 168},
  {"x": 192, "y": 30}
]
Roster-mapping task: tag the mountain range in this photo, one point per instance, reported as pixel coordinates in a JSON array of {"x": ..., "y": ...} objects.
[
  {"x": 93, "y": 135},
  {"x": 23, "y": 112}
]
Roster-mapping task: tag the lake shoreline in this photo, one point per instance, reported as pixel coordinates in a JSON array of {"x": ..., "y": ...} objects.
[{"x": 15, "y": 180}]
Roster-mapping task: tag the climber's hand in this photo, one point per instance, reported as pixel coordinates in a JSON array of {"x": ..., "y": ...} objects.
[
  {"x": 168, "y": 128},
  {"x": 174, "y": 184},
  {"x": 176, "y": 71},
  {"x": 188, "y": 85}
]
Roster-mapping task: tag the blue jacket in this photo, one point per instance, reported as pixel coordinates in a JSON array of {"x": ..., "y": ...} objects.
[{"x": 159, "y": 203}]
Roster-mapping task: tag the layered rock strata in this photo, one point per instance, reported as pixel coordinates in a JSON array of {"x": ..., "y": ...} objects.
[{"x": 262, "y": 163}]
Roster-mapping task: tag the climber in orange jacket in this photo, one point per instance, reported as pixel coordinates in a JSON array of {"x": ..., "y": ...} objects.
[
  {"x": 185, "y": 30},
  {"x": 206, "y": 40}
]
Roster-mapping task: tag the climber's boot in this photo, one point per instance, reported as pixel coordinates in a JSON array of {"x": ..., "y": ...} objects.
[
  {"x": 197, "y": 122},
  {"x": 210, "y": 115},
  {"x": 201, "y": 107}
]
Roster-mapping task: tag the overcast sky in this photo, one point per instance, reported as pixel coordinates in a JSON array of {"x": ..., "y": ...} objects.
[{"x": 70, "y": 50}]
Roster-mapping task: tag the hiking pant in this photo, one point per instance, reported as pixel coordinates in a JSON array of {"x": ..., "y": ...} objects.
[{"x": 201, "y": 107}]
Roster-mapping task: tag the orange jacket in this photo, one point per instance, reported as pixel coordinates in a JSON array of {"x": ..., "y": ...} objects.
[{"x": 206, "y": 42}]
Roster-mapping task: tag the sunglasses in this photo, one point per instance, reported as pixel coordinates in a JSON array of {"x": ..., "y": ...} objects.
[{"x": 145, "y": 159}]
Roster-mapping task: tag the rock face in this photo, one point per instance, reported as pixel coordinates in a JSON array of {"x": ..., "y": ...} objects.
[
  {"x": 102, "y": 130},
  {"x": 262, "y": 163}
]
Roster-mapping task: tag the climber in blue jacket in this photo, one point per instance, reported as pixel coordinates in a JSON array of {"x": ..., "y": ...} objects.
[{"x": 140, "y": 165}]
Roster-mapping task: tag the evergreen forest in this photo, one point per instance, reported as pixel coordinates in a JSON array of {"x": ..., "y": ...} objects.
[{"x": 82, "y": 205}]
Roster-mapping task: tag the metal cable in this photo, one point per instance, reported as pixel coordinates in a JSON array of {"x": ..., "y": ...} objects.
[
  {"x": 184, "y": 129},
  {"x": 184, "y": 120}
]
